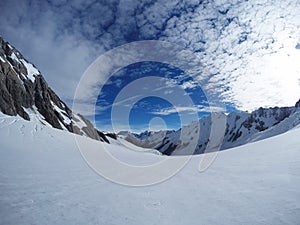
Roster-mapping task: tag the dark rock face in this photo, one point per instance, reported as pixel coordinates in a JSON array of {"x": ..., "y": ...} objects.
[
  {"x": 298, "y": 104},
  {"x": 14, "y": 88},
  {"x": 92, "y": 132},
  {"x": 112, "y": 135},
  {"x": 20, "y": 90}
]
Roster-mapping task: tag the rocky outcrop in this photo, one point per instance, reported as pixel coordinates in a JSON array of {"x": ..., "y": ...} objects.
[
  {"x": 241, "y": 128},
  {"x": 23, "y": 89},
  {"x": 14, "y": 88}
]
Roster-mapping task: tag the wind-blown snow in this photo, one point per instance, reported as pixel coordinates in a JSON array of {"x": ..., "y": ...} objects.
[{"x": 44, "y": 180}]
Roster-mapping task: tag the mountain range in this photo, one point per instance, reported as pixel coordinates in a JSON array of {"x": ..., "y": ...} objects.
[
  {"x": 241, "y": 128},
  {"x": 24, "y": 92}
]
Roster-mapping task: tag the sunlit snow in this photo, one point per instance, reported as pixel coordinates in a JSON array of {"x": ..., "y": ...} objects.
[{"x": 45, "y": 180}]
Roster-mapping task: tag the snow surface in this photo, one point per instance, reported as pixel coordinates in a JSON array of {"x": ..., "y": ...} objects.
[
  {"x": 31, "y": 70},
  {"x": 44, "y": 180},
  {"x": 78, "y": 122},
  {"x": 10, "y": 46},
  {"x": 35, "y": 116},
  {"x": 62, "y": 113},
  {"x": 2, "y": 59},
  {"x": 14, "y": 57}
]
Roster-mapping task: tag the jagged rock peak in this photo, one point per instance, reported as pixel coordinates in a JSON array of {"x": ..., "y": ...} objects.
[{"x": 24, "y": 92}]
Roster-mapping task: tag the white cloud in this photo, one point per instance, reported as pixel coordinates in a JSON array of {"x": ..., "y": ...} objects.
[
  {"x": 189, "y": 85},
  {"x": 247, "y": 49},
  {"x": 185, "y": 109}
]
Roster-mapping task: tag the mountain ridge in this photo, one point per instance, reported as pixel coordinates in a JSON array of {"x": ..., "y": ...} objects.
[
  {"x": 25, "y": 92},
  {"x": 241, "y": 128}
]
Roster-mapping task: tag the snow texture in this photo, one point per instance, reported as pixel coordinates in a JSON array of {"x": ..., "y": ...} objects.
[
  {"x": 44, "y": 180},
  {"x": 62, "y": 113},
  {"x": 31, "y": 70}
]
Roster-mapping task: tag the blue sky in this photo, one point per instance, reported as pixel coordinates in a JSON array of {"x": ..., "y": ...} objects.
[
  {"x": 156, "y": 109},
  {"x": 151, "y": 105},
  {"x": 249, "y": 50}
]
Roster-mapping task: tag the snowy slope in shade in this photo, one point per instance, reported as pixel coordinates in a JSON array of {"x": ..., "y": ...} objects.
[{"x": 44, "y": 180}]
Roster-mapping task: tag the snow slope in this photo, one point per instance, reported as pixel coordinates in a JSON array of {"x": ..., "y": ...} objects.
[{"x": 44, "y": 180}]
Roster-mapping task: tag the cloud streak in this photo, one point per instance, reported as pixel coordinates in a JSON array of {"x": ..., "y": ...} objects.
[{"x": 186, "y": 109}]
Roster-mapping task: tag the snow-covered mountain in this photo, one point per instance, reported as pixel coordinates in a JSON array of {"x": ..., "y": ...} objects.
[
  {"x": 45, "y": 180},
  {"x": 241, "y": 128},
  {"x": 146, "y": 139},
  {"x": 24, "y": 92}
]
